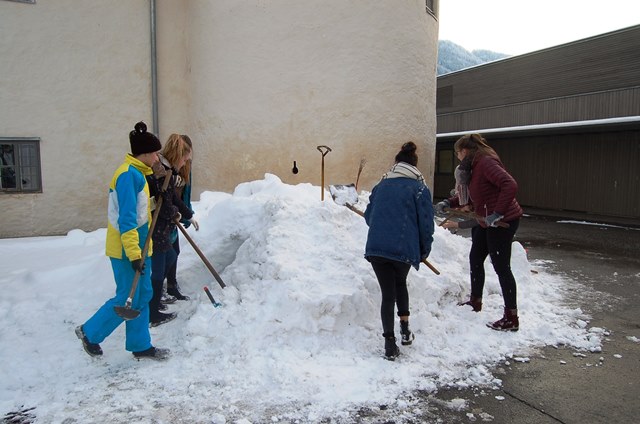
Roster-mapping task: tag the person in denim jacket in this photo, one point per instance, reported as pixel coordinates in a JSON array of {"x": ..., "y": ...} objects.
[{"x": 400, "y": 219}]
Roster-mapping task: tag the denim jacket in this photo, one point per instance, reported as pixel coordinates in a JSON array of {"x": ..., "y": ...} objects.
[{"x": 400, "y": 219}]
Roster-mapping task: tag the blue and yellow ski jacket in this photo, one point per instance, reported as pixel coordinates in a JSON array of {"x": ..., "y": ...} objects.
[{"x": 129, "y": 212}]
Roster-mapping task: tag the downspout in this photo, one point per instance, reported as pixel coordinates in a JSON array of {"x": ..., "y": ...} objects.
[{"x": 154, "y": 69}]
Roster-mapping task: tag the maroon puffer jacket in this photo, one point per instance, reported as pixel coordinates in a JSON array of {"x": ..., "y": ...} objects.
[{"x": 492, "y": 189}]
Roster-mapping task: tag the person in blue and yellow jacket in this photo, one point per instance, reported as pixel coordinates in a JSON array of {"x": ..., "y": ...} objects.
[{"x": 129, "y": 220}]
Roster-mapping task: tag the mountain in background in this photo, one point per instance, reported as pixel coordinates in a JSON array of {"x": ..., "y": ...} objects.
[{"x": 452, "y": 57}]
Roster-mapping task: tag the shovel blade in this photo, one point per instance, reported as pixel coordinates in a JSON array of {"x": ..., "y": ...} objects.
[
  {"x": 126, "y": 313},
  {"x": 344, "y": 194}
]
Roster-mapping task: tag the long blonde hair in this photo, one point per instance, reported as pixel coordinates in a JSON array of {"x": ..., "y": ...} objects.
[{"x": 175, "y": 149}]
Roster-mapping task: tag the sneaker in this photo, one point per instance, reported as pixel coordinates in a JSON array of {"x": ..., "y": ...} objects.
[
  {"x": 162, "y": 319},
  {"x": 162, "y": 307},
  {"x": 407, "y": 336},
  {"x": 175, "y": 292},
  {"x": 154, "y": 353},
  {"x": 391, "y": 349},
  {"x": 92, "y": 349},
  {"x": 167, "y": 299}
]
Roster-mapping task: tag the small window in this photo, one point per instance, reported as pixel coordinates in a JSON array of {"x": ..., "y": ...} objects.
[
  {"x": 432, "y": 7},
  {"x": 20, "y": 165}
]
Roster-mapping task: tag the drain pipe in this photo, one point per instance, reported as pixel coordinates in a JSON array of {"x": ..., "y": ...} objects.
[{"x": 154, "y": 70}]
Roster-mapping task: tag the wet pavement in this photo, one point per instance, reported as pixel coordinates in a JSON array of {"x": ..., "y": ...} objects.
[{"x": 561, "y": 385}]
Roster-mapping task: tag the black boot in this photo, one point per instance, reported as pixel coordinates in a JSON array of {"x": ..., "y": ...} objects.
[
  {"x": 173, "y": 289},
  {"x": 155, "y": 316},
  {"x": 391, "y": 350},
  {"x": 155, "y": 353},
  {"x": 407, "y": 336},
  {"x": 160, "y": 318},
  {"x": 92, "y": 349}
]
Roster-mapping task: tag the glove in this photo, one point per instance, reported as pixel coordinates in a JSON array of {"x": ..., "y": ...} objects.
[
  {"x": 492, "y": 220},
  {"x": 440, "y": 206},
  {"x": 138, "y": 265},
  {"x": 177, "y": 217},
  {"x": 195, "y": 224}
]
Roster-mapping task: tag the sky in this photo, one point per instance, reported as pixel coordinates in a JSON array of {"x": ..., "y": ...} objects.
[
  {"x": 520, "y": 26},
  {"x": 298, "y": 336}
]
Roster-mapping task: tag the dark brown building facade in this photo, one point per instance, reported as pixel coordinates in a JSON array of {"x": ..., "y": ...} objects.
[{"x": 564, "y": 120}]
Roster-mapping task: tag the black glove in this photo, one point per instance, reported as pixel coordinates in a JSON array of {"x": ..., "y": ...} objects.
[{"x": 138, "y": 265}]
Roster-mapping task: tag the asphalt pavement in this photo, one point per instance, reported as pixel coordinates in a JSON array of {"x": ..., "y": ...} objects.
[{"x": 562, "y": 385}]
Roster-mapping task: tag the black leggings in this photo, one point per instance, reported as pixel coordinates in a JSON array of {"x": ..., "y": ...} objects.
[
  {"x": 392, "y": 277},
  {"x": 496, "y": 243}
]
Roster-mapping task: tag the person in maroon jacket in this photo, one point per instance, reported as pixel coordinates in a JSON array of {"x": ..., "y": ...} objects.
[{"x": 492, "y": 196}]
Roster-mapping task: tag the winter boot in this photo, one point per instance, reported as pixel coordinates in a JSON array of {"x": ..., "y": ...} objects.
[
  {"x": 509, "y": 321},
  {"x": 154, "y": 353},
  {"x": 159, "y": 318},
  {"x": 391, "y": 350},
  {"x": 407, "y": 336},
  {"x": 167, "y": 299},
  {"x": 92, "y": 349},
  {"x": 474, "y": 302},
  {"x": 173, "y": 289}
]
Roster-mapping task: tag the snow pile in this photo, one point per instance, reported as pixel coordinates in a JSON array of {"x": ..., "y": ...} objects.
[{"x": 298, "y": 336}]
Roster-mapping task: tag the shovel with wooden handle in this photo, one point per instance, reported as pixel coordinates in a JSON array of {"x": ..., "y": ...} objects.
[
  {"x": 125, "y": 312},
  {"x": 346, "y": 195},
  {"x": 470, "y": 215},
  {"x": 324, "y": 150},
  {"x": 199, "y": 252}
]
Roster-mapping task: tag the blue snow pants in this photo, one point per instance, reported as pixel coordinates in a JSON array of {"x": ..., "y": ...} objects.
[{"x": 105, "y": 320}]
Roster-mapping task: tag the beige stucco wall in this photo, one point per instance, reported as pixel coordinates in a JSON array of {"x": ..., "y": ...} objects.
[
  {"x": 76, "y": 74},
  {"x": 256, "y": 84},
  {"x": 267, "y": 82}
]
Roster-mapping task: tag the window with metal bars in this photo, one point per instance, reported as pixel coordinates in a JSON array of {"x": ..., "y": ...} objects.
[{"x": 20, "y": 170}]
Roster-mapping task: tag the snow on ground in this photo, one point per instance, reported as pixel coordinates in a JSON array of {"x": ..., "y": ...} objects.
[{"x": 298, "y": 338}]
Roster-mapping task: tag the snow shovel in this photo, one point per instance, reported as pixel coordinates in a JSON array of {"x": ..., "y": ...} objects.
[
  {"x": 125, "y": 312},
  {"x": 324, "y": 150},
  {"x": 346, "y": 195},
  {"x": 210, "y": 296},
  {"x": 199, "y": 252},
  {"x": 469, "y": 215}
]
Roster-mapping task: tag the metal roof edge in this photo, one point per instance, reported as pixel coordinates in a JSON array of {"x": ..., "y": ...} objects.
[{"x": 537, "y": 127}]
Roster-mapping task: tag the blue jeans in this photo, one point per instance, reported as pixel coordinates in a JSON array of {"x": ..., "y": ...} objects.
[{"x": 105, "y": 320}]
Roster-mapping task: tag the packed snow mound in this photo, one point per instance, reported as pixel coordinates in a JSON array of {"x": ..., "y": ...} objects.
[{"x": 298, "y": 336}]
